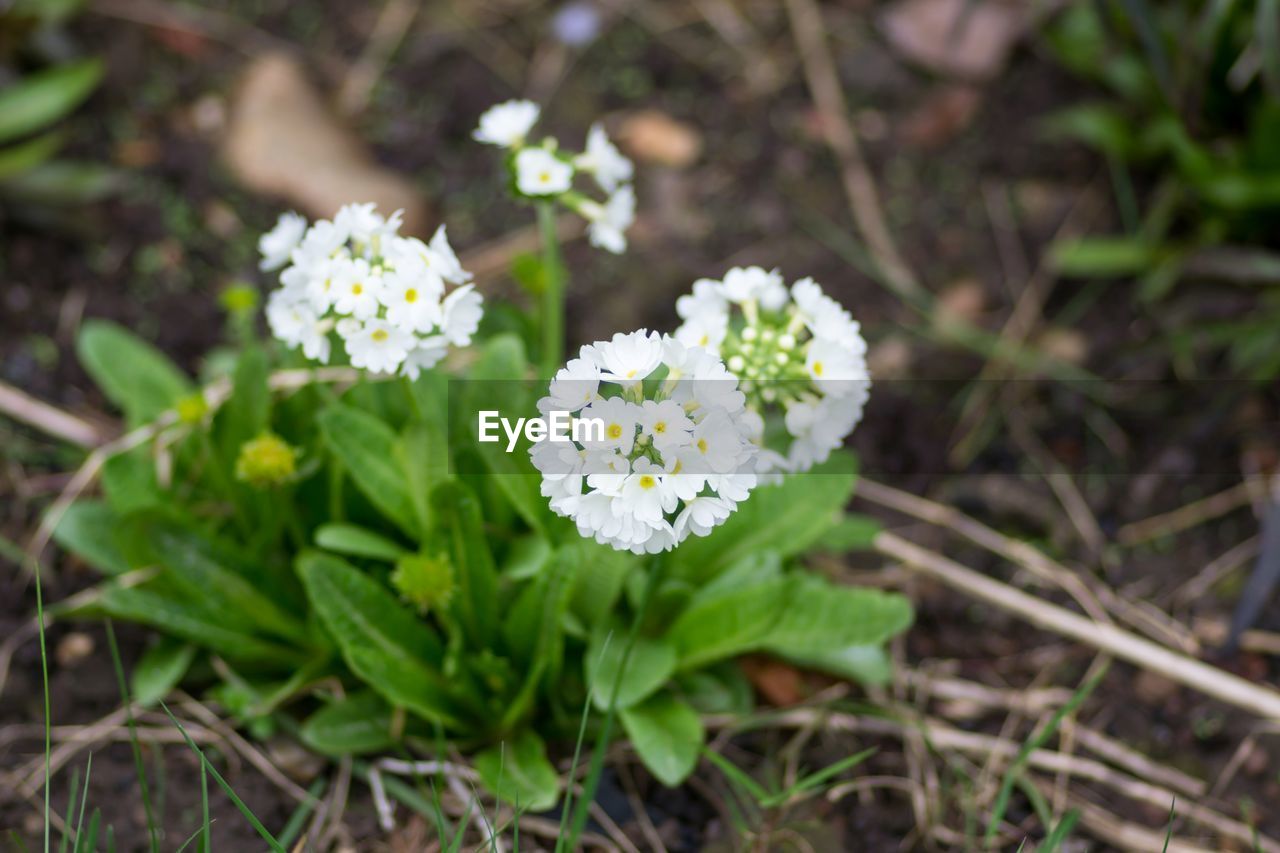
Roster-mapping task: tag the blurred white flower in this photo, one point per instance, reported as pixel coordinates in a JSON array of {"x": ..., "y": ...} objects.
[
  {"x": 603, "y": 161},
  {"x": 547, "y": 170},
  {"x": 384, "y": 294},
  {"x": 664, "y": 465},
  {"x": 541, "y": 173},
  {"x": 278, "y": 244},
  {"x": 507, "y": 124},
  {"x": 798, "y": 354}
]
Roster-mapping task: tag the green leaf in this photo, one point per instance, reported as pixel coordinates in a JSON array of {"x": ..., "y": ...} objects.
[
  {"x": 356, "y": 725},
  {"x": 87, "y": 529},
  {"x": 188, "y": 620},
  {"x": 62, "y": 182},
  {"x": 598, "y": 581},
  {"x": 212, "y": 570},
  {"x": 475, "y": 602},
  {"x": 819, "y": 616},
  {"x": 667, "y": 735},
  {"x": 497, "y": 383},
  {"x": 245, "y": 414},
  {"x": 787, "y": 518},
  {"x": 518, "y": 771},
  {"x": 533, "y": 635},
  {"x": 367, "y": 449},
  {"x": 42, "y": 98},
  {"x": 423, "y": 452},
  {"x": 129, "y": 481},
  {"x": 650, "y": 664},
  {"x": 355, "y": 541},
  {"x": 387, "y": 646},
  {"x": 1099, "y": 126},
  {"x": 1102, "y": 257},
  {"x": 721, "y": 689},
  {"x": 160, "y": 669},
  {"x": 133, "y": 374},
  {"x": 25, "y": 156},
  {"x": 864, "y": 664},
  {"x": 526, "y": 558},
  {"x": 716, "y": 627},
  {"x": 851, "y": 533}
]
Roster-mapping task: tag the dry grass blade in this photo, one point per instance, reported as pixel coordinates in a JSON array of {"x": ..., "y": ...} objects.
[
  {"x": 1200, "y": 676},
  {"x": 860, "y": 187},
  {"x": 1186, "y": 517},
  {"x": 48, "y": 419}
]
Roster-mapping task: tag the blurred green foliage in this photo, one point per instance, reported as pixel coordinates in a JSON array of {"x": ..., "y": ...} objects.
[
  {"x": 1192, "y": 103},
  {"x": 43, "y": 80}
]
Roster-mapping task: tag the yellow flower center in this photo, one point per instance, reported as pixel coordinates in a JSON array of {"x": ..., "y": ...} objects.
[
  {"x": 631, "y": 374},
  {"x": 660, "y": 427},
  {"x": 411, "y": 296},
  {"x": 702, "y": 445},
  {"x": 817, "y": 368},
  {"x": 614, "y": 431},
  {"x": 379, "y": 335},
  {"x": 357, "y": 289},
  {"x": 544, "y": 177},
  {"x": 647, "y": 481}
]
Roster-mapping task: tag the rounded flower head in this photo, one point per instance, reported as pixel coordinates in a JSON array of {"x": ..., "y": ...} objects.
[
  {"x": 423, "y": 581},
  {"x": 386, "y": 296},
  {"x": 266, "y": 461},
  {"x": 547, "y": 171},
  {"x": 656, "y": 455},
  {"x": 799, "y": 355},
  {"x": 507, "y": 124}
]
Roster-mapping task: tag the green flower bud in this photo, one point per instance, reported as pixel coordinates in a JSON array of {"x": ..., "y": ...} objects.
[
  {"x": 266, "y": 461},
  {"x": 192, "y": 409},
  {"x": 423, "y": 581},
  {"x": 239, "y": 298}
]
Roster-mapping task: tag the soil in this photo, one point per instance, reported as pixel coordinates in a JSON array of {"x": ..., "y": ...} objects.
[{"x": 766, "y": 192}]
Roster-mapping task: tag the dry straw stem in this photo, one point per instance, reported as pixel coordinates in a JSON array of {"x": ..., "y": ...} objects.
[
  {"x": 24, "y": 408},
  {"x": 1105, "y": 637},
  {"x": 828, "y": 97},
  {"x": 1186, "y": 517}
]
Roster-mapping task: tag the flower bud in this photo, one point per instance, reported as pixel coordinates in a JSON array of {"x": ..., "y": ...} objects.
[
  {"x": 425, "y": 582},
  {"x": 266, "y": 461},
  {"x": 192, "y": 409}
]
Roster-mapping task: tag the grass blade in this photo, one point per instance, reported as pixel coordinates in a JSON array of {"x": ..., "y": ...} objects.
[
  {"x": 1037, "y": 740},
  {"x": 227, "y": 789},
  {"x": 44, "y": 680},
  {"x": 133, "y": 738}
]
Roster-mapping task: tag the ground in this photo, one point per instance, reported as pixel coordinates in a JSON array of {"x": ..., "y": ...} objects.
[{"x": 972, "y": 202}]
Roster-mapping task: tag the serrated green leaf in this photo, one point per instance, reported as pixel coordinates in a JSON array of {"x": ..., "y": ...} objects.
[
  {"x": 355, "y": 541},
  {"x": 667, "y": 735},
  {"x": 159, "y": 670},
  {"x": 518, "y": 772},
  {"x": 357, "y": 725},
  {"x": 650, "y": 664},
  {"x": 133, "y": 374},
  {"x": 387, "y": 646},
  {"x": 786, "y": 518},
  {"x": 88, "y": 530},
  {"x": 475, "y": 601},
  {"x": 366, "y": 447},
  {"x": 46, "y": 96},
  {"x": 820, "y": 616},
  {"x": 735, "y": 621}
]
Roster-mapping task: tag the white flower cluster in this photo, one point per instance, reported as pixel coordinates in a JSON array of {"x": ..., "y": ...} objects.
[
  {"x": 675, "y": 455},
  {"x": 544, "y": 171},
  {"x": 384, "y": 294},
  {"x": 798, "y": 351}
]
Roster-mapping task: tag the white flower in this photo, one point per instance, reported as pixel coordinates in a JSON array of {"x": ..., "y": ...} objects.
[
  {"x": 424, "y": 356},
  {"x": 798, "y": 353},
  {"x": 356, "y": 289},
  {"x": 507, "y": 124},
  {"x": 755, "y": 284},
  {"x": 670, "y": 460},
  {"x": 385, "y": 295},
  {"x": 462, "y": 313},
  {"x": 628, "y": 359},
  {"x": 278, "y": 244},
  {"x": 609, "y": 223},
  {"x": 834, "y": 367},
  {"x": 604, "y": 161},
  {"x": 379, "y": 347},
  {"x": 541, "y": 173}
]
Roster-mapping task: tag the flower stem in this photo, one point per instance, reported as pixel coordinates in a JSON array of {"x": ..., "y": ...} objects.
[{"x": 553, "y": 292}]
